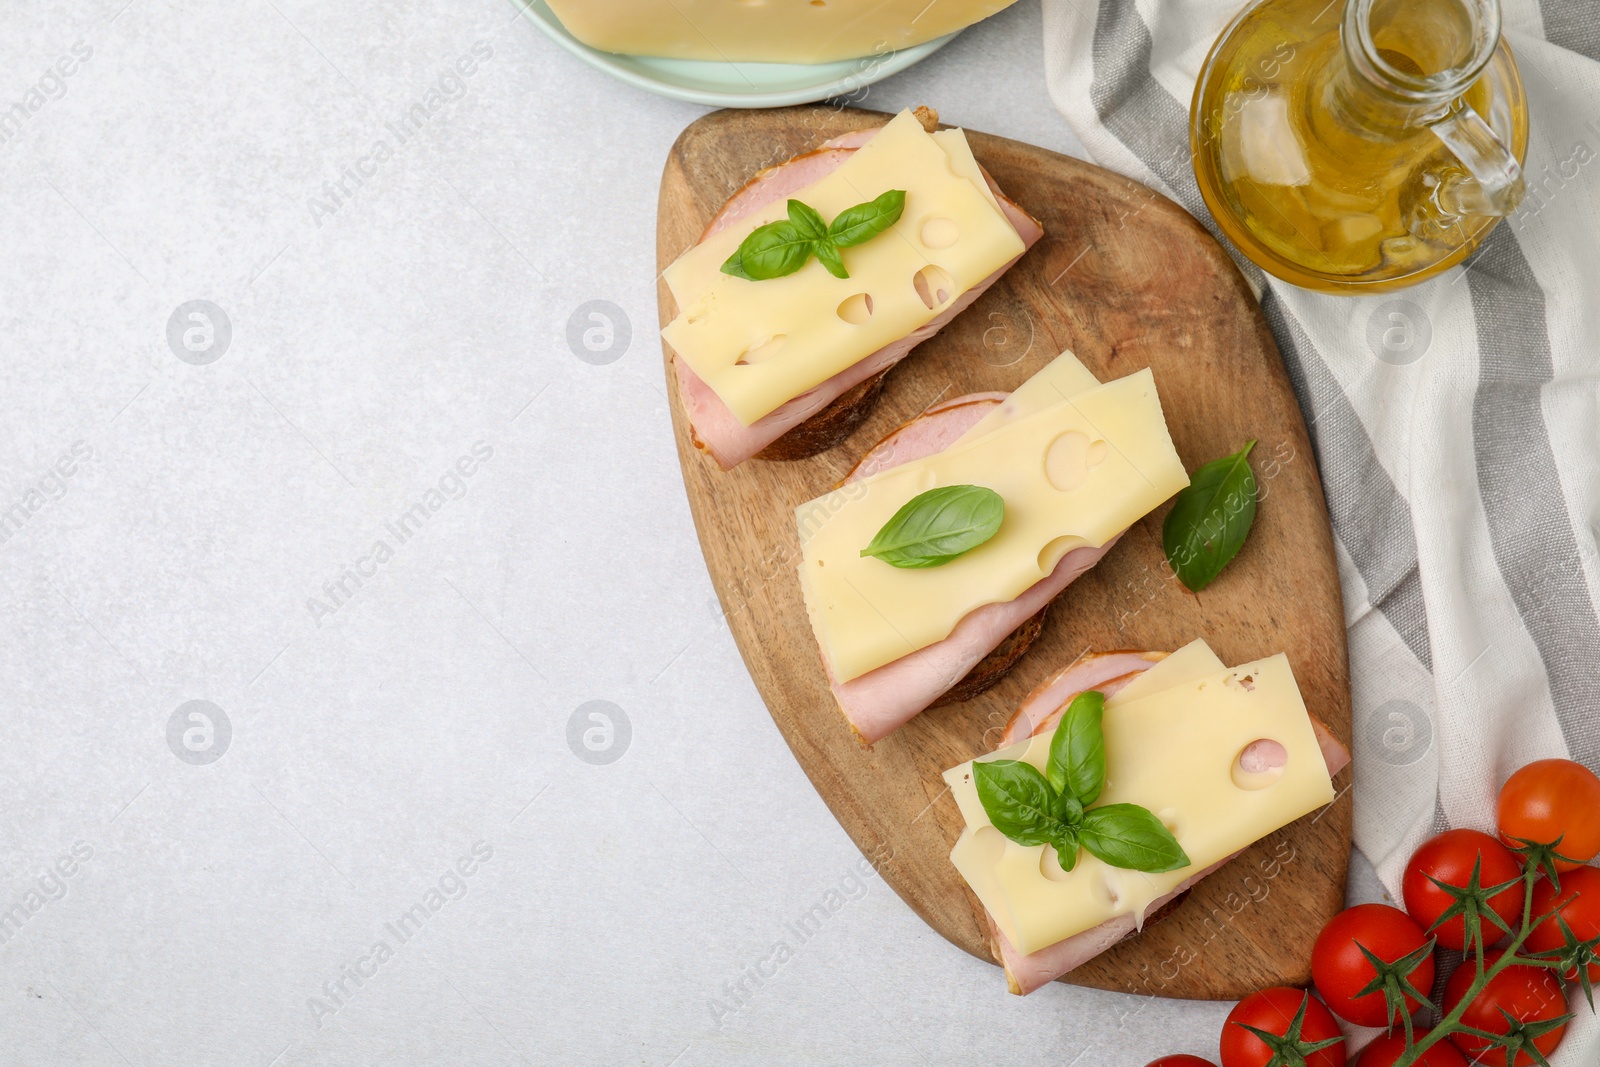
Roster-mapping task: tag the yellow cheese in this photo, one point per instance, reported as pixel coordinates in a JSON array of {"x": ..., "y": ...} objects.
[
  {"x": 758, "y": 344},
  {"x": 954, "y": 144},
  {"x": 1190, "y": 663},
  {"x": 766, "y": 31},
  {"x": 1075, "y": 473},
  {"x": 693, "y": 272},
  {"x": 1172, "y": 746},
  {"x": 1060, "y": 379}
]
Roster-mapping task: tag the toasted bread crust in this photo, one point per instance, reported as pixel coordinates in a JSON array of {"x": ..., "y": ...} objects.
[
  {"x": 997, "y": 664},
  {"x": 831, "y": 425}
]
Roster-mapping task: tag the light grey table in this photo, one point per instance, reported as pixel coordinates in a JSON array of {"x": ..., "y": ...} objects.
[{"x": 300, "y": 421}]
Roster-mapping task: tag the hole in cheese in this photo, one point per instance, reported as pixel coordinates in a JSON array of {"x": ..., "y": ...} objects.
[
  {"x": 990, "y": 845},
  {"x": 934, "y": 285},
  {"x": 761, "y": 351},
  {"x": 856, "y": 309},
  {"x": 1259, "y": 764},
  {"x": 1050, "y": 867},
  {"x": 939, "y": 232},
  {"x": 1066, "y": 461},
  {"x": 1051, "y": 553}
]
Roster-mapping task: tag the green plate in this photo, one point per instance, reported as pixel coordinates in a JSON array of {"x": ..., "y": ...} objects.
[{"x": 734, "y": 84}]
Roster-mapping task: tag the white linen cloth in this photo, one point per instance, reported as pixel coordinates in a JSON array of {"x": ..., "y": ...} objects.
[{"x": 1456, "y": 423}]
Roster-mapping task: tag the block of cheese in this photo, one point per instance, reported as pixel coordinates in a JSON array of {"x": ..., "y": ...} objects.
[
  {"x": 766, "y": 31},
  {"x": 758, "y": 344},
  {"x": 1072, "y": 474},
  {"x": 1173, "y": 738}
]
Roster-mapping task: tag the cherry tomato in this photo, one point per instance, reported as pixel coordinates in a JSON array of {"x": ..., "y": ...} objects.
[
  {"x": 1180, "y": 1061},
  {"x": 1341, "y": 971},
  {"x": 1553, "y": 798},
  {"x": 1449, "y": 858},
  {"x": 1388, "y": 1047},
  {"x": 1579, "y": 905},
  {"x": 1528, "y": 994},
  {"x": 1273, "y": 1010}
]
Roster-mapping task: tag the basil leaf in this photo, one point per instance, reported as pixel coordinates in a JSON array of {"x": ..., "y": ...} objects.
[
  {"x": 773, "y": 250},
  {"x": 806, "y": 222},
  {"x": 935, "y": 527},
  {"x": 1066, "y": 808},
  {"x": 734, "y": 265},
  {"x": 863, "y": 222},
  {"x": 829, "y": 255},
  {"x": 1066, "y": 846},
  {"x": 1017, "y": 800},
  {"x": 1212, "y": 517},
  {"x": 1130, "y": 837},
  {"x": 1078, "y": 749},
  {"x": 783, "y": 247}
]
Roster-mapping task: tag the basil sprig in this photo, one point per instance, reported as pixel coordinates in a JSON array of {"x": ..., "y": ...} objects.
[
  {"x": 1211, "y": 518},
  {"x": 1053, "y": 808},
  {"x": 783, "y": 247},
  {"x": 935, "y": 527}
]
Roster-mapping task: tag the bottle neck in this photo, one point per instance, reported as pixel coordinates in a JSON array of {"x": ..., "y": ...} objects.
[
  {"x": 1348, "y": 106},
  {"x": 1400, "y": 66},
  {"x": 1408, "y": 61}
]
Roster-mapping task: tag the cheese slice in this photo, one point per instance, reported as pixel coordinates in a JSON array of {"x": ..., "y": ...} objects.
[
  {"x": 953, "y": 143},
  {"x": 758, "y": 344},
  {"x": 1191, "y": 663},
  {"x": 1072, "y": 474},
  {"x": 1060, "y": 379},
  {"x": 692, "y": 273},
  {"x": 1172, "y": 746},
  {"x": 791, "y": 31}
]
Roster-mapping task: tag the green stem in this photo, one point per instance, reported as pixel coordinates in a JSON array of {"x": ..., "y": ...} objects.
[{"x": 1447, "y": 1025}]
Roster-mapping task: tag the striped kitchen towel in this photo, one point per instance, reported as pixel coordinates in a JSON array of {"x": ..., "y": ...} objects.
[{"x": 1456, "y": 423}]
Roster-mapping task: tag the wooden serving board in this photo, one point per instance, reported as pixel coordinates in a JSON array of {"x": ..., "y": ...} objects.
[{"x": 1126, "y": 279}]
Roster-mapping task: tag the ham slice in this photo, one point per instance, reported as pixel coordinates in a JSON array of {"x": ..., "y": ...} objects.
[
  {"x": 1025, "y": 973},
  {"x": 881, "y": 701},
  {"x": 1105, "y": 671},
  {"x": 935, "y": 430},
  {"x": 716, "y": 429},
  {"x": 1040, "y": 711}
]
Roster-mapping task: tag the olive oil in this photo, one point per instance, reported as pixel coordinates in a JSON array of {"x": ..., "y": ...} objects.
[{"x": 1326, "y": 174}]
